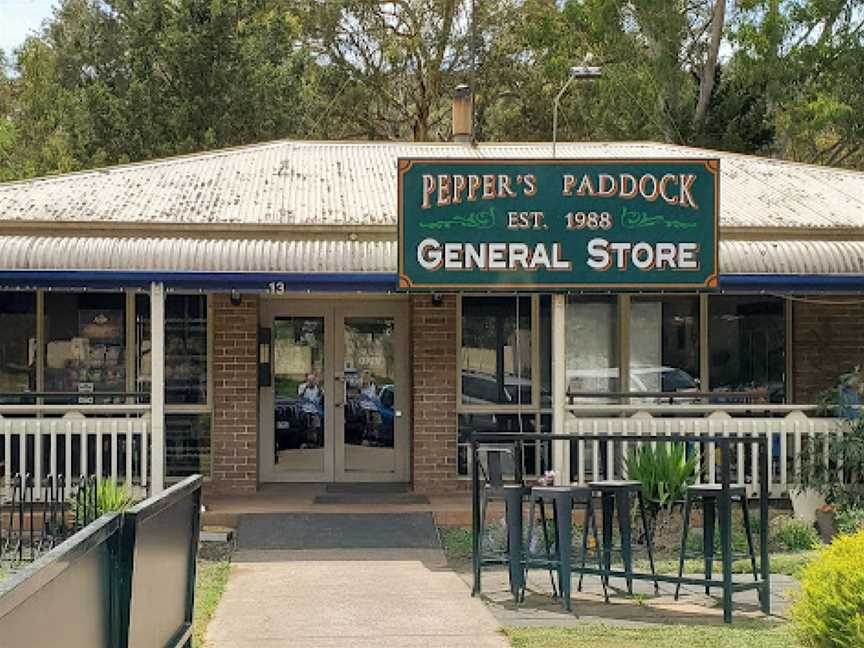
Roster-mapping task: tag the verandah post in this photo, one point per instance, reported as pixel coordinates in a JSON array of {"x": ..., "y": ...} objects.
[
  {"x": 560, "y": 447},
  {"x": 725, "y": 518},
  {"x": 765, "y": 450},
  {"x": 476, "y": 522},
  {"x": 157, "y": 386}
]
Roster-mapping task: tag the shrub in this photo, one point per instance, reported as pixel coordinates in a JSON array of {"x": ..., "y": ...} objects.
[
  {"x": 829, "y": 611},
  {"x": 849, "y": 519},
  {"x": 665, "y": 472},
  {"x": 797, "y": 535}
]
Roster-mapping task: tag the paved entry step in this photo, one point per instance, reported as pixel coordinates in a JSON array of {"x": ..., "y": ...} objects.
[
  {"x": 370, "y": 498},
  {"x": 368, "y": 487},
  {"x": 337, "y": 531}
]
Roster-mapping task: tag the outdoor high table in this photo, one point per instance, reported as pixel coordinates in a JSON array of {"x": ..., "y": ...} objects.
[{"x": 723, "y": 443}]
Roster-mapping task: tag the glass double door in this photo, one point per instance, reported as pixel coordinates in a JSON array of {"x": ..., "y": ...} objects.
[{"x": 337, "y": 405}]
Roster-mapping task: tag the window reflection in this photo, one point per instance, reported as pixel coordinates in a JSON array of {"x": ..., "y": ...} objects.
[
  {"x": 187, "y": 445},
  {"x": 17, "y": 345},
  {"x": 592, "y": 344},
  {"x": 298, "y": 372},
  {"x": 185, "y": 348},
  {"x": 664, "y": 344},
  {"x": 536, "y": 455},
  {"x": 496, "y": 352},
  {"x": 370, "y": 383},
  {"x": 746, "y": 345},
  {"x": 85, "y": 337}
]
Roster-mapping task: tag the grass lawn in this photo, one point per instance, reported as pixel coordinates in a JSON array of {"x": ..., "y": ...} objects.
[
  {"x": 786, "y": 563},
  {"x": 214, "y": 564},
  {"x": 457, "y": 547},
  {"x": 753, "y": 635}
]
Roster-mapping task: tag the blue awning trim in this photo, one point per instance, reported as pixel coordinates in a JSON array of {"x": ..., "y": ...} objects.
[
  {"x": 789, "y": 283},
  {"x": 222, "y": 281},
  {"x": 374, "y": 282}
]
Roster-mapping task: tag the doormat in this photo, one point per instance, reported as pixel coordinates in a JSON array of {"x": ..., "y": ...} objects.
[
  {"x": 367, "y": 487},
  {"x": 371, "y": 498},
  {"x": 337, "y": 531}
]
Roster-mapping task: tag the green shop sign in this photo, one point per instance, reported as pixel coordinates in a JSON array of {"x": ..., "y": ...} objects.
[{"x": 558, "y": 224}]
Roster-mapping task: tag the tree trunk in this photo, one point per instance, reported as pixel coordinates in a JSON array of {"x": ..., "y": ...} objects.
[{"x": 706, "y": 83}]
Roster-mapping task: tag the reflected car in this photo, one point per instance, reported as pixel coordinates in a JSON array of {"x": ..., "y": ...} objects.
[
  {"x": 642, "y": 379},
  {"x": 482, "y": 388},
  {"x": 356, "y": 423}
]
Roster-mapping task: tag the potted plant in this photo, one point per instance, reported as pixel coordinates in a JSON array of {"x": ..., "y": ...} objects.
[
  {"x": 665, "y": 472},
  {"x": 833, "y": 466}
]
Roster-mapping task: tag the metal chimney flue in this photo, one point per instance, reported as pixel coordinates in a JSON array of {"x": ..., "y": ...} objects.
[{"x": 463, "y": 114}]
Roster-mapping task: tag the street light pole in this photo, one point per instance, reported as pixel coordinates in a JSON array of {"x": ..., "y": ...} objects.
[{"x": 578, "y": 72}]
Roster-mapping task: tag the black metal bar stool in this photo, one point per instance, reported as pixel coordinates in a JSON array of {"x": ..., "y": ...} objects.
[
  {"x": 615, "y": 493},
  {"x": 563, "y": 499},
  {"x": 709, "y": 494},
  {"x": 513, "y": 496}
]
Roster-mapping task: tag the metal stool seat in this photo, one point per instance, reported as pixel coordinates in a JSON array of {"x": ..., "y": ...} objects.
[
  {"x": 615, "y": 493},
  {"x": 562, "y": 499},
  {"x": 709, "y": 493}
]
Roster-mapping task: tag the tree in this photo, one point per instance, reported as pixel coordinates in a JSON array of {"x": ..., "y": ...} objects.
[
  {"x": 390, "y": 67},
  {"x": 129, "y": 80},
  {"x": 807, "y": 55}
]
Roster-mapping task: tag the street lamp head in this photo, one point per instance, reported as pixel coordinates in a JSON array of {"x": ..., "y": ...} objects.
[{"x": 586, "y": 72}]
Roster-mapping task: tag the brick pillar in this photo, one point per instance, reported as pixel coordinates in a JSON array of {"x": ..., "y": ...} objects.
[
  {"x": 235, "y": 395},
  {"x": 827, "y": 340},
  {"x": 433, "y": 363}
]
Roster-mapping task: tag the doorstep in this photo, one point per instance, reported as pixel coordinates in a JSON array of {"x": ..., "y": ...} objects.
[{"x": 225, "y": 510}]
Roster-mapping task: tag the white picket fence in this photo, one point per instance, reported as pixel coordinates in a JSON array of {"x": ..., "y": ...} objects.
[
  {"x": 110, "y": 441},
  {"x": 786, "y": 436}
]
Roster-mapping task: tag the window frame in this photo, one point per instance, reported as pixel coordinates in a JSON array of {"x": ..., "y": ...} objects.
[
  {"x": 535, "y": 408},
  {"x": 131, "y": 354},
  {"x": 131, "y": 384}
]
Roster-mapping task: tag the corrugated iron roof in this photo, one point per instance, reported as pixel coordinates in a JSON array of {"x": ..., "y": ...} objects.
[
  {"x": 354, "y": 184},
  {"x": 194, "y": 254},
  {"x": 329, "y": 256}
]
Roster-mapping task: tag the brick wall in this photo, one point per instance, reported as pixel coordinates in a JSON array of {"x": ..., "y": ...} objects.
[
  {"x": 235, "y": 395},
  {"x": 433, "y": 358},
  {"x": 827, "y": 340}
]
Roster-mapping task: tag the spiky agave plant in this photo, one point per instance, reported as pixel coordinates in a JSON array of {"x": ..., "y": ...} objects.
[
  {"x": 112, "y": 497},
  {"x": 665, "y": 471}
]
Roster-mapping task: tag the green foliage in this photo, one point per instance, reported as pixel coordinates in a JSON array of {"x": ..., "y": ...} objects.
[
  {"x": 655, "y": 635},
  {"x": 839, "y": 478},
  {"x": 456, "y": 542},
  {"x": 211, "y": 579},
  {"x": 849, "y": 519},
  {"x": 112, "y": 497},
  {"x": 665, "y": 472},
  {"x": 797, "y": 535},
  {"x": 116, "y": 81},
  {"x": 829, "y": 611}
]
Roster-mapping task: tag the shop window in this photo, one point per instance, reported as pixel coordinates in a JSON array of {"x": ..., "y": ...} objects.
[
  {"x": 664, "y": 344},
  {"x": 17, "y": 346},
  {"x": 185, "y": 348},
  {"x": 85, "y": 346},
  {"x": 496, "y": 351},
  {"x": 498, "y": 365},
  {"x": 536, "y": 455},
  {"x": 592, "y": 345},
  {"x": 187, "y": 445},
  {"x": 746, "y": 347}
]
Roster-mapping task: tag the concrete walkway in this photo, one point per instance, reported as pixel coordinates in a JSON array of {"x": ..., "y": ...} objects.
[{"x": 358, "y": 598}]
